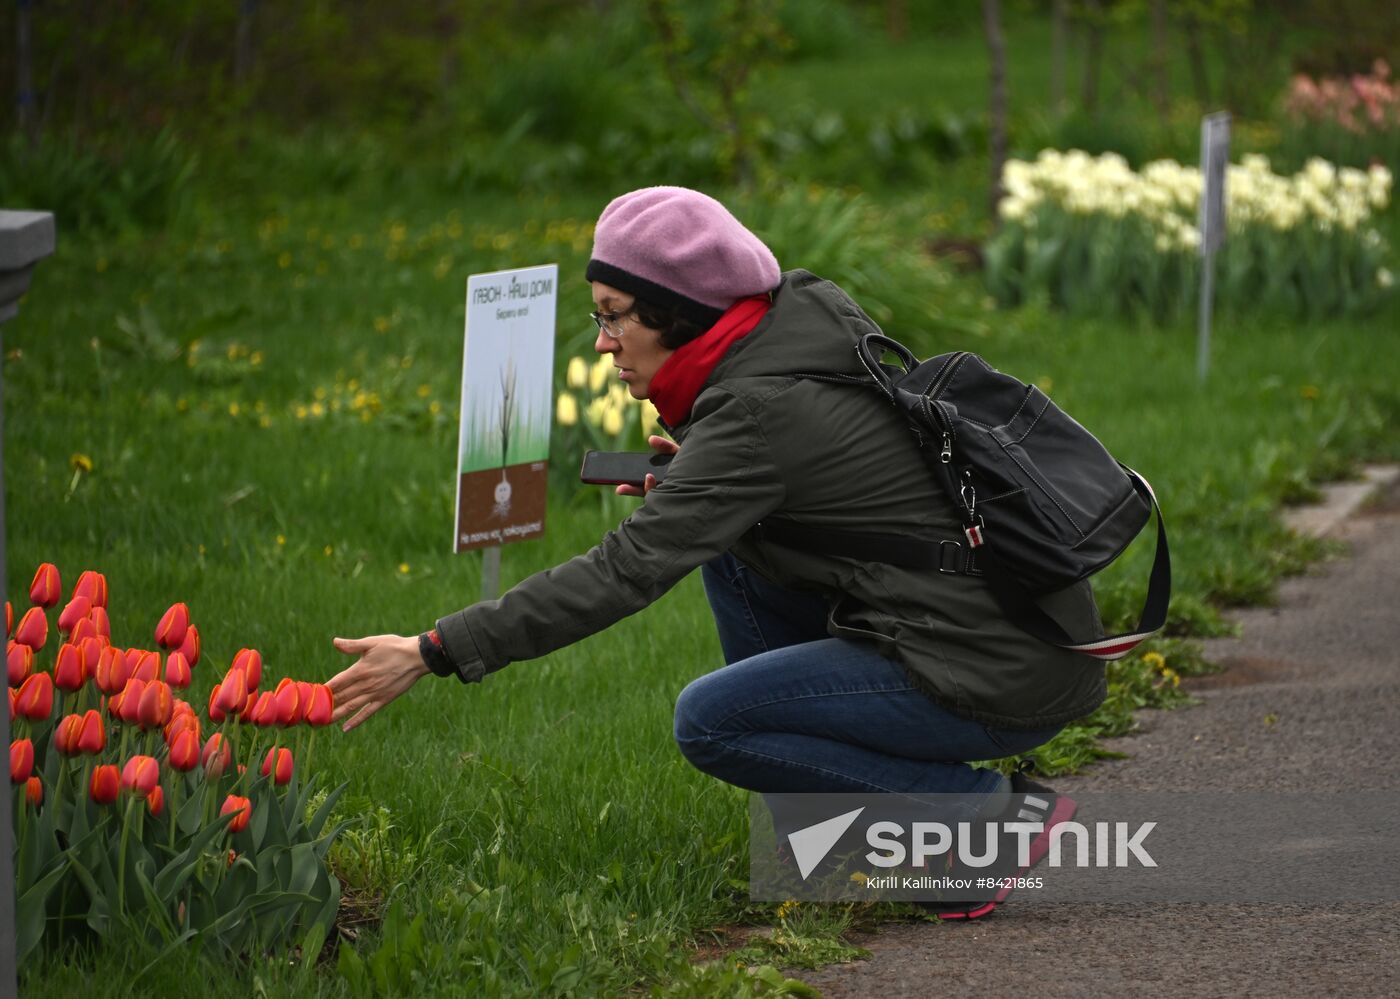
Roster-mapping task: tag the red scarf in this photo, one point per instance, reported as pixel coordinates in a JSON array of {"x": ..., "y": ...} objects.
[{"x": 679, "y": 380}]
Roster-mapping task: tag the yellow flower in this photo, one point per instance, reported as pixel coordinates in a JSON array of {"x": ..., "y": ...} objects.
[
  {"x": 786, "y": 908},
  {"x": 860, "y": 877},
  {"x": 1170, "y": 674},
  {"x": 318, "y": 409},
  {"x": 435, "y": 407},
  {"x": 1154, "y": 660},
  {"x": 301, "y": 412},
  {"x": 398, "y": 232},
  {"x": 80, "y": 463},
  {"x": 612, "y": 421},
  {"x": 233, "y": 409},
  {"x": 329, "y": 550},
  {"x": 256, "y": 358},
  {"x": 566, "y": 410},
  {"x": 651, "y": 419},
  {"x": 381, "y": 324},
  {"x": 578, "y": 373},
  {"x": 403, "y": 568},
  {"x": 1309, "y": 392},
  {"x": 284, "y": 260},
  {"x": 424, "y": 391},
  {"x": 602, "y": 370}
]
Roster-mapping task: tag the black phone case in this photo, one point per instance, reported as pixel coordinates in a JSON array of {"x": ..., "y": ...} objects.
[{"x": 623, "y": 468}]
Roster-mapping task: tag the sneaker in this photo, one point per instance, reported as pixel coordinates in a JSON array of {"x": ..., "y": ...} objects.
[{"x": 1030, "y": 802}]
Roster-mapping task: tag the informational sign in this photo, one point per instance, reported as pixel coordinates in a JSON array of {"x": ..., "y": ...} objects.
[
  {"x": 1215, "y": 156},
  {"x": 507, "y": 406}
]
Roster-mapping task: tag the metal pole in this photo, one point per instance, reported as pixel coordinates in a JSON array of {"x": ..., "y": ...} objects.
[
  {"x": 8, "y": 971},
  {"x": 1207, "y": 299},
  {"x": 491, "y": 572}
]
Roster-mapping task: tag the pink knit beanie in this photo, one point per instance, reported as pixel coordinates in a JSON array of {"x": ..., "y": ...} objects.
[{"x": 678, "y": 247}]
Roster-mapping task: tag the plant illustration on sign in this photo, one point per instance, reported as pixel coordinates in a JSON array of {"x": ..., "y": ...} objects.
[{"x": 508, "y": 401}]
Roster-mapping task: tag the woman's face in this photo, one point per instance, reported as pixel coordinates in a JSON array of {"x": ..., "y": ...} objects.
[{"x": 637, "y": 353}]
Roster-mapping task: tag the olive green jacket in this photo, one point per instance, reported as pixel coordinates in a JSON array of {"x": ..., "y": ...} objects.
[{"x": 759, "y": 444}]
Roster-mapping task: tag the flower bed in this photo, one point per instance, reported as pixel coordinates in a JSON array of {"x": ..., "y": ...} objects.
[{"x": 136, "y": 819}]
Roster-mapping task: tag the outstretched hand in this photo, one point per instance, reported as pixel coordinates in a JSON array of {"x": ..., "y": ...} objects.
[
  {"x": 661, "y": 445},
  {"x": 388, "y": 666}
]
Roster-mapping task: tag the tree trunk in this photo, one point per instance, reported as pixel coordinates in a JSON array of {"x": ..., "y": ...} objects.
[
  {"x": 996, "y": 108},
  {"x": 897, "y": 20},
  {"x": 1058, "y": 15},
  {"x": 1093, "y": 57},
  {"x": 1161, "y": 43},
  {"x": 27, "y": 107},
  {"x": 1200, "y": 82}
]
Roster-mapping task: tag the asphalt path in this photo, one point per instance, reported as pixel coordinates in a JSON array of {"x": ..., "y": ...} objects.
[{"x": 1309, "y": 701}]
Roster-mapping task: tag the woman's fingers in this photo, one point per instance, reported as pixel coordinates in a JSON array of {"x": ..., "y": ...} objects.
[{"x": 663, "y": 445}]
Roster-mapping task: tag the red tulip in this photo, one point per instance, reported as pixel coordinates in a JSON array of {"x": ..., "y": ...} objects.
[
  {"x": 246, "y": 715},
  {"x": 216, "y": 713},
  {"x": 111, "y": 671},
  {"x": 182, "y": 723},
  {"x": 130, "y": 708},
  {"x": 92, "y": 737},
  {"x": 35, "y": 700},
  {"x": 19, "y": 663},
  {"x": 100, "y": 621},
  {"x": 319, "y": 708},
  {"x": 289, "y": 708},
  {"x": 157, "y": 705},
  {"x": 170, "y": 633},
  {"x": 243, "y": 809},
  {"x": 265, "y": 713},
  {"x": 250, "y": 662},
  {"x": 131, "y": 657},
  {"x": 233, "y": 692},
  {"x": 46, "y": 590},
  {"x": 21, "y": 760},
  {"x": 216, "y": 756},
  {"x": 155, "y": 800},
  {"x": 77, "y": 610},
  {"x": 9, "y": 619},
  {"x": 82, "y": 631},
  {"x": 105, "y": 784},
  {"x": 65, "y": 736},
  {"x": 34, "y": 791},
  {"x": 141, "y": 773},
  {"x": 184, "y": 749},
  {"x": 68, "y": 672},
  {"x": 13, "y": 694},
  {"x": 33, "y": 629},
  {"x": 189, "y": 648},
  {"x": 177, "y": 671},
  {"x": 279, "y": 764},
  {"x": 92, "y": 585},
  {"x": 147, "y": 667}
]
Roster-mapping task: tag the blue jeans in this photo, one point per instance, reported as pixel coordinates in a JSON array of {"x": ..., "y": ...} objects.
[{"x": 797, "y": 711}]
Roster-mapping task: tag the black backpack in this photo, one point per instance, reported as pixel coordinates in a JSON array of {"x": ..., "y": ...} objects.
[{"x": 1043, "y": 503}]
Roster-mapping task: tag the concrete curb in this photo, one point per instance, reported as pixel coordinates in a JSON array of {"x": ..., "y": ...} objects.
[{"x": 1340, "y": 501}]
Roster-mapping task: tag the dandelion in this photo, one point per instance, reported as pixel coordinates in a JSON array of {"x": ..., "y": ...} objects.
[
  {"x": 80, "y": 462},
  {"x": 1154, "y": 660},
  {"x": 435, "y": 407},
  {"x": 281, "y": 540},
  {"x": 329, "y": 551},
  {"x": 424, "y": 390},
  {"x": 403, "y": 568},
  {"x": 1309, "y": 392},
  {"x": 381, "y": 324}
]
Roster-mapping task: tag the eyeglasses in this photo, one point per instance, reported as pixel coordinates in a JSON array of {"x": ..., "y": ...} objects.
[{"x": 611, "y": 322}]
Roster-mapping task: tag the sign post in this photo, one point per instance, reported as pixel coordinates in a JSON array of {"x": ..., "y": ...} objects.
[
  {"x": 507, "y": 408},
  {"x": 1215, "y": 156}
]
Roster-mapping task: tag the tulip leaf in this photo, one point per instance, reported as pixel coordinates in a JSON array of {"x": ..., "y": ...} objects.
[
  {"x": 191, "y": 814},
  {"x": 323, "y": 844},
  {"x": 173, "y": 876},
  {"x": 322, "y": 813},
  {"x": 257, "y": 827},
  {"x": 30, "y": 918},
  {"x": 156, "y": 907},
  {"x": 305, "y": 866}
]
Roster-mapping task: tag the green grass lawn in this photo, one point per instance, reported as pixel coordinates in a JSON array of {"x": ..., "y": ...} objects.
[{"x": 268, "y": 397}]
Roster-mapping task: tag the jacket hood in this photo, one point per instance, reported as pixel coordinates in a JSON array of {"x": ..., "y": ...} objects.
[{"x": 813, "y": 326}]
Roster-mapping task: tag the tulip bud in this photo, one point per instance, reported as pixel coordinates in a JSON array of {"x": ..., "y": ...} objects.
[
  {"x": 19, "y": 663},
  {"x": 92, "y": 737},
  {"x": 82, "y": 631},
  {"x": 177, "y": 671},
  {"x": 190, "y": 648},
  {"x": 216, "y": 713},
  {"x": 46, "y": 590},
  {"x": 250, "y": 662},
  {"x": 216, "y": 756},
  {"x": 77, "y": 610},
  {"x": 92, "y": 585},
  {"x": 68, "y": 672},
  {"x": 105, "y": 784},
  {"x": 147, "y": 667},
  {"x": 155, "y": 800},
  {"x": 112, "y": 673},
  {"x": 233, "y": 692},
  {"x": 318, "y": 710},
  {"x": 184, "y": 750},
  {"x": 140, "y": 774},
  {"x": 100, "y": 621},
  {"x": 130, "y": 709},
  {"x": 242, "y": 809},
  {"x": 21, "y": 760},
  {"x": 278, "y": 763},
  {"x": 65, "y": 737},
  {"x": 157, "y": 705},
  {"x": 170, "y": 633},
  {"x": 35, "y": 700},
  {"x": 289, "y": 707},
  {"x": 33, "y": 629},
  {"x": 34, "y": 791}
]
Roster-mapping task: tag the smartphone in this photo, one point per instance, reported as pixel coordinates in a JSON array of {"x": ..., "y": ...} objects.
[{"x": 623, "y": 468}]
